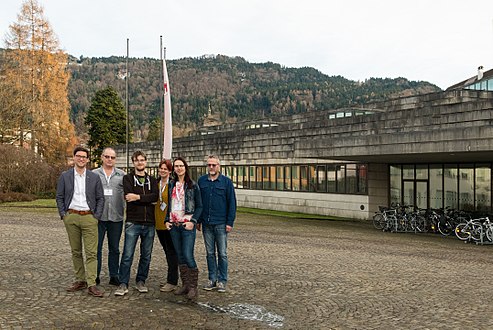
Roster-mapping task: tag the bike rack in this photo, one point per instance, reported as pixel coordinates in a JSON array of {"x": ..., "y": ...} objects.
[{"x": 482, "y": 241}]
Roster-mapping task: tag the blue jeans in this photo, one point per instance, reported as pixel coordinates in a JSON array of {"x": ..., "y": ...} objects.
[
  {"x": 114, "y": 231},
  {"x": 216, "y": 238},
  {"x": 184, "y": 243},
  {"x": 132, "y": 233}
]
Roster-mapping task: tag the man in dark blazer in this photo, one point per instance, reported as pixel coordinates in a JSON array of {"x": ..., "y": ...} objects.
[{"x": 80, "y": 202}]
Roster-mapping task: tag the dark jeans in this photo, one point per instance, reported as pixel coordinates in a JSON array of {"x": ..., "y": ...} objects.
[
  {"x": 171, "y": 257},
  {"x": 132, "y": 233},
  {"x": 114, "y": 232}
]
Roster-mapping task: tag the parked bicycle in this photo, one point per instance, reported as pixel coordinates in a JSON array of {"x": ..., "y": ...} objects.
[{"x": 472, "y": 229}]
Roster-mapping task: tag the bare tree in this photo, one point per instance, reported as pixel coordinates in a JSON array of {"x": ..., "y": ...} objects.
[{"x": 35, "y": 71}]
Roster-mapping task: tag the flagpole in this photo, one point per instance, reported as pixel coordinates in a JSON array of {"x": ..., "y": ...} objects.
[
  {"x": 167, "y": 123},
  {"x": 161, "y": 99},
  {"x": 126, "y": 107}
]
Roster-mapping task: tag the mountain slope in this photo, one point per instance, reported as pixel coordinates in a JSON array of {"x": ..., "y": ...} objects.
[{"x": 230, "y": 88}]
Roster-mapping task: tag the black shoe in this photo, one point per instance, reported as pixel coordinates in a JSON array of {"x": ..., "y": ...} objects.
[
  {"x": 114, "y": 281},
  {"x": 98, "y": 281}
]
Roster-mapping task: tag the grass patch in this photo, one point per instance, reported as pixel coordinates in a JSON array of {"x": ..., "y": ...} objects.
[
  {"x": 51, "y": 203},
  {"x": 288, "y": 214},
  {"x": 38, "y": 203}
]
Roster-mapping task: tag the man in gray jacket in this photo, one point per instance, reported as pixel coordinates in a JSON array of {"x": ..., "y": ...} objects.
[
  {"x": 111, "y": 222},
  {"x": 80, "y": 202}
]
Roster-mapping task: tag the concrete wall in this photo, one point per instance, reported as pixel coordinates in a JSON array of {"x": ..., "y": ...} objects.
[
  {"x": 378, "y": 187},
  {"x": 425, "y": 128},
  {"x": 344, "y": 206}
]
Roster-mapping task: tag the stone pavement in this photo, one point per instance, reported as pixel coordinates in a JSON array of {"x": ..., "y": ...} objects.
[{"x": 284, "y": 273}]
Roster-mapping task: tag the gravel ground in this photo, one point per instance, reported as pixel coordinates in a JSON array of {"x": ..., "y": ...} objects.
[{"x": 284, "y": 273}]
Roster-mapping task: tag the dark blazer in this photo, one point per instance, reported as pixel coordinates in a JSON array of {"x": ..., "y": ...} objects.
[{"x": 94, "y": 192}]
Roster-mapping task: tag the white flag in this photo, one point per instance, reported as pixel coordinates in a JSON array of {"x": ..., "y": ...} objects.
[{"x": 168, "y": 127}]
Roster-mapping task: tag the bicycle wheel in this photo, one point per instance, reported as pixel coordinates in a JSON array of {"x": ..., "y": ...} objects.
[
  {"x": 489, "y": 233},
  {"x": 476, "y": 231},
  {"x": 445, "y": 227},
  {"x": 379, "y": 221},
  {"x": 462, "y": 231}
]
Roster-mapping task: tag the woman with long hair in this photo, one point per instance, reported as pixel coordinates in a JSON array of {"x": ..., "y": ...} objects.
[
  {"x": 184, "y": 209},
  {"x": 164, "y": 169}
]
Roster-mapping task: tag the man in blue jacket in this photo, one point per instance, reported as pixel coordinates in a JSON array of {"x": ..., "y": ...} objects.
[
  {"x": 216, "y": 221},
  {"x": 80, "y": 202}
]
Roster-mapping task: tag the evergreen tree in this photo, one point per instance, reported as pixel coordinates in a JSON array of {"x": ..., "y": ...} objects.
[
  {"x": 154, "y": 130},
  {"x": 106, "y": 121}
]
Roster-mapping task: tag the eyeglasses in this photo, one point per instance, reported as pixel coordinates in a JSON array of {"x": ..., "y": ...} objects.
[
  {"x": 80, "y": 156},
  {"x": 109, "y": 157},
  {"x": 212, "y": 165}
]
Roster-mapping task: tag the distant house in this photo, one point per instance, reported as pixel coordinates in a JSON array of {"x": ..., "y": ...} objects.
[{"x": 483, "y": 81}]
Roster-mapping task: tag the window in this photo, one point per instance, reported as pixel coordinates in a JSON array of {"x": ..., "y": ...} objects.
[
  {"x": 331, "y": 178},
  {"x": 295, "y": 177},
  {"x": 304, "y": 177},
  {"x": 242, "y": 177},
  {"x": 312, "y": 183},
  {"x": 279, "y": 178},
  {"x": 258, "y": 174},
  {"x": 483, "y": 187},
  {"x": 265, "y": 178},
  {"x": 341, "y": 178},
  {"x": 234, "y": 176},
  {"x": 251, "y": 177},
  {"x": 272, "y": 170},
  {"x": 436, "y": 186},
  {"x": 362, "y": 174},
  {"x": 351, "y": 179},
  {"x": 321, "y": 178},
  {"x": 287, "y": 178},
  {"x": 466, "y": 187},
  {"x": 395, "y": 184}
]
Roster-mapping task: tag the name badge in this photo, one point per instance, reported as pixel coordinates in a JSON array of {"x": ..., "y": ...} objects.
[
  {"x": 108, "y": 192},
  {"x": 163, "y": 206}
]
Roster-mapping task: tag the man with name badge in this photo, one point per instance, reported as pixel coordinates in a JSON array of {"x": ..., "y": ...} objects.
[{"x": 111, "y": 222}]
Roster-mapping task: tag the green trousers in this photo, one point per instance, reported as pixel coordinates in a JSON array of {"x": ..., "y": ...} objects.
[{"x": 82, "y": 233}]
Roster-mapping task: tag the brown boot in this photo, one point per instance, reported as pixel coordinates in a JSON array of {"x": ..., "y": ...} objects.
[
  {"x": 193, "y": 293},
  {"x": 184, "y": 274}
]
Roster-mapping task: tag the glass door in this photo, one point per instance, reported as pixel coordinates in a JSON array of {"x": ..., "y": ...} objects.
[
  {"x": 415, "y": 193},
  {"x": 408, "y": 195},
  {"x": 421, "y": 194}
]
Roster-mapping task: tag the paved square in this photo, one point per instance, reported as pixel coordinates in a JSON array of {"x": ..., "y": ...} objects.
[{"x": 284, "y": 273}]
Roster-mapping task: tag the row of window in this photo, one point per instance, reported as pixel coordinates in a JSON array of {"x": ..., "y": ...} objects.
[
  {"x": 458, "y": 186},
  {"x": 321, "y": 178},
  {"x": 485, "y": 85}
]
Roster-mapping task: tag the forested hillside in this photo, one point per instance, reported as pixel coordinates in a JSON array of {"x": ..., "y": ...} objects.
[{"x": 231, "y": 87}]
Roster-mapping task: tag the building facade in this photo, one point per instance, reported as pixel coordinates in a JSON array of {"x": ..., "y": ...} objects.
[{"x": 430, "y": 151}]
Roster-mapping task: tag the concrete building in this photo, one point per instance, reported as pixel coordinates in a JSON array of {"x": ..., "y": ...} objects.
[{"x": 432, "y": 150}]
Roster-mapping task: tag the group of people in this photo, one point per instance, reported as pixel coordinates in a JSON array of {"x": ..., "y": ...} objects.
[{"x": 92, "y": 205}]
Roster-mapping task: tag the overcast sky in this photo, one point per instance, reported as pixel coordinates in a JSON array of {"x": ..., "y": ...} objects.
[{"x": 440, "y": 41}]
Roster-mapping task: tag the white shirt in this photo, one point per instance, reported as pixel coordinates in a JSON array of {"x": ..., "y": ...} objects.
[{"x": 79, "y": 202}]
